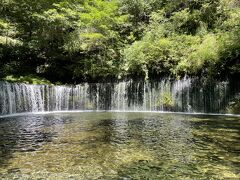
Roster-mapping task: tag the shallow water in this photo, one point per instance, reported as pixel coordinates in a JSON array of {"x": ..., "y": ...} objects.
[{"x": 118, "y": 145}]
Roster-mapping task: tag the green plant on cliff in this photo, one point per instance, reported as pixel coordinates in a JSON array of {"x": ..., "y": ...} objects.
[
  {"x": 165, "y": 100},
  {"x": 234, "y": 105}
]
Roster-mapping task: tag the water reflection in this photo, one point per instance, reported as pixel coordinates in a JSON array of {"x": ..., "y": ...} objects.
[
  {"x": 26, "y": 134},
  {"x": 119, "y": 145}
]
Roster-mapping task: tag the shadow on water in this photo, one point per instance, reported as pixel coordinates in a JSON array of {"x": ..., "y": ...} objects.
[
  {"x": 218, "y": 124},
  {"x": 25, "y": 134},
  {"x": 218, "y": 138}
]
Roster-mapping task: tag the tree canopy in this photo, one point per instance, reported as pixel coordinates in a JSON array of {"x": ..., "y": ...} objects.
[{"x": 88, "y": 40}]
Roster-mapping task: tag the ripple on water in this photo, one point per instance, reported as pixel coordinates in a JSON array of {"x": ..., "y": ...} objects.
[{"x": 106, "y": 145}]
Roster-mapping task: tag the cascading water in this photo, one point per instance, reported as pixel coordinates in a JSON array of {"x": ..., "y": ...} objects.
[{"x": 185, "y": 95}]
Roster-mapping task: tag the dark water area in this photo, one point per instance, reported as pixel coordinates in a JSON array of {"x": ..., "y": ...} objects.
[{"x": 119, "y": 145}]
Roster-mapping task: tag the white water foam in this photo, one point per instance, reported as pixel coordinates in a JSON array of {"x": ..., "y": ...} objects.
[{"x": 114, "y": 111}]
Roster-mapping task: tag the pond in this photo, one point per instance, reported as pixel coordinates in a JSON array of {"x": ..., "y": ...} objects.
[{"x": 119, "y": 145}]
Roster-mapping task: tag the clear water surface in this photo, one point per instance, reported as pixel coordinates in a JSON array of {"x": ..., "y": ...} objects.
[{"x": 111, "y": 145}]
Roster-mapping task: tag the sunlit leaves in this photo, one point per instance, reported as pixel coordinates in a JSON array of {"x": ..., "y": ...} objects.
[{"x": 99, "y": 38}]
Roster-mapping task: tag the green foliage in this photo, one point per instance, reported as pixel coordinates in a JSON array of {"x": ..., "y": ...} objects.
[
  {"x": 200, "y": 38},
  {"x": 165, "y": 99},
  {"x": 87, "y": 33},
  {"x": 8, "y": 33},
  {"x": 203, "y": 54},
  {"x": 80, "y": 40},
  {"x": 30, "y": 79}
]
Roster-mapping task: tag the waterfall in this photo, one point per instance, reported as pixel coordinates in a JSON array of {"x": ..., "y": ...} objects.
[{"x": 184, "y": 95}]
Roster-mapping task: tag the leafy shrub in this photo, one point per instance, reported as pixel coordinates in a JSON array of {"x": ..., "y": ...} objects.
[{"x": 203, "y": 54}]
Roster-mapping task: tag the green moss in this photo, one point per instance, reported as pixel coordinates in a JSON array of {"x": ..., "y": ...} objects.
[{"x": 30, "y": 79}]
